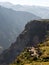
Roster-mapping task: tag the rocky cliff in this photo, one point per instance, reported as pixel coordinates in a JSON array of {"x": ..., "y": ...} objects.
[{"x": 34, "y": 32}]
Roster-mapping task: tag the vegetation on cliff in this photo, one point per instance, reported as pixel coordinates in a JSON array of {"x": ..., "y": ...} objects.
[{"x": 25, "y": 58}]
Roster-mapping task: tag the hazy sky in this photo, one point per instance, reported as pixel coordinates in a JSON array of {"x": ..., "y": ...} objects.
[{"x": 28, "y": 2}]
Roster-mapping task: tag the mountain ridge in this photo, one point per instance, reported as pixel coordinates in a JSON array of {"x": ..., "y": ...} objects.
[
  {"x": 11, "y": 25},
  {"x": 37, "y": 10},
  {"x": 34, "y": 32}
]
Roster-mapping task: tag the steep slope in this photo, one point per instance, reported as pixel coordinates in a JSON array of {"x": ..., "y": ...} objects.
[
  {"x": 34, "y": 33},
  {"x": 30, "y": 58},
  {"x": 11, "y": 24}
]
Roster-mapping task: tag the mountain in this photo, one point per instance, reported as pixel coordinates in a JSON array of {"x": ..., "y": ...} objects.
[
  {"x": 34, "y": 56},
  {"x": 6, "y": 4},
  {"x": 37, "y": 10},
  {"x": 11, "y": 24},
  {"x": 35, "y": 32}
]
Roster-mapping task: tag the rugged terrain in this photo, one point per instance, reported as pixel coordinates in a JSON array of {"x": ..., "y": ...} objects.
[
  {"x": 11, "y": 25},
  {"x": 28, "y": 57},
  {"x": 35, "y": 32}
]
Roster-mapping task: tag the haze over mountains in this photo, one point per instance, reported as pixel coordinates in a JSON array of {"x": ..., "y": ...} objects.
[
  {"x": 11, "y": 24},
  {"x": 6, "y": 4},
  {"x": 37, "y": 10},
  {"x": 40, "y": 11},
  {"x": 14, "y": 37}
]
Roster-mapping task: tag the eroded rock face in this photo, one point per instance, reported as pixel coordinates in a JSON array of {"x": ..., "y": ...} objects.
[{"x": 34, "y": 33}]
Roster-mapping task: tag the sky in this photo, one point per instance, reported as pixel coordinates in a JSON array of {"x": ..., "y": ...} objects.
[{"x": 28, "y": 2}]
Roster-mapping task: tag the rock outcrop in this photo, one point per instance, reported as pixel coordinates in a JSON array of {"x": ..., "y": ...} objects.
[{"x": 33, "y": 33}]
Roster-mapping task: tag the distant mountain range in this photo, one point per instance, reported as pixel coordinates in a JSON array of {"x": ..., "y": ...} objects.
[
  {"x": 11, "y": 25},
  {"x": 6, "y": 4},
  {"x": 13, "y": 18},
  {"x": 40, "y": 11}
]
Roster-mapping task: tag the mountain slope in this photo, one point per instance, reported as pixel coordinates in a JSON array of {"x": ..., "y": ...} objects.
[
  {"x": 34, "y": 33},
  {"x": 29, "y": 58},
  {"x": 11, "y": 24},
  {"x": 37, "y": 10}
]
